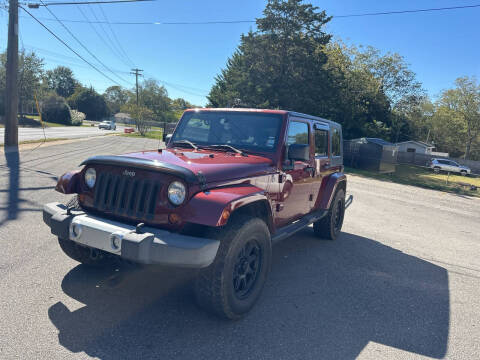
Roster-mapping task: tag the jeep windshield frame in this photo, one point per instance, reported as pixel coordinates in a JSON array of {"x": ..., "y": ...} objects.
[{"x": 246, "y": 131}]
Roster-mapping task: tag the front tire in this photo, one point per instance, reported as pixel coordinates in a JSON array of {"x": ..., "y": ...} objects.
[
  {"x": 329, "y": 227},
  {"x": 436, "y": 170},
  {"x": 233, "y": 283},
  {"x": 463, "y": 173}
]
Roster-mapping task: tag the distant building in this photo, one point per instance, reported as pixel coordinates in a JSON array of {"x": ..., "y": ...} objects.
[
  {"x": 371, "y": 154},
  {"x": 419, "y": 147},
  {"x": 123, "y": 118}
]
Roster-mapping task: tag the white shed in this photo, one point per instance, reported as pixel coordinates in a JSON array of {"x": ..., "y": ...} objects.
[{"x": 415, "y": 146}]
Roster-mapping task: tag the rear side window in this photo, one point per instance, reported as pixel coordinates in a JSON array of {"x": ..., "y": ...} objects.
[
  {"x": 321, "y": 142},
  {"x": 297, "y": 133},
  {"x": 336, "y": 146}
]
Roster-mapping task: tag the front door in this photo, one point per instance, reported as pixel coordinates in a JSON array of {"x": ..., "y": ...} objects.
[{"x": 296, "y": 197}]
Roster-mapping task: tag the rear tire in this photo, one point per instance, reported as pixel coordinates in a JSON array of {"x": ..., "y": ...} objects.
[
  {"x": 330, "y": 225},
  {"x": 463, "y": 173},
  {"x": 233, "y": 283}
]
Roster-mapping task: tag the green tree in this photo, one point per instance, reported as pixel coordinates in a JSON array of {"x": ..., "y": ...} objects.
[
  {"x": 458, "y": 110},
  {"x": 155, "y": 97},
  {"x": 116, "y": 97},
  {"x": 142, "y": 115},
  {"x": 280, "y": 64},
  {"x": 30, "y": 73},
  {"x": 88, "y": 101},
  {"x": 55, "y": 109},
  {"x": 62, "y": 81}
]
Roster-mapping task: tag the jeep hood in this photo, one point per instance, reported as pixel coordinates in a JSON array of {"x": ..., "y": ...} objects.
[{"x": 211, "y": 166}]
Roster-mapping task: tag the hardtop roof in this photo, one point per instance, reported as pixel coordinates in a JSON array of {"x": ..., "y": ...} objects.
[{"x": 266, "y": 111}]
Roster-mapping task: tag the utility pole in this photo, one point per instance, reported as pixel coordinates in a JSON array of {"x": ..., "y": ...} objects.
[
  {"x": 136, "y": 72},
  {"x": 11, "y": 106}
]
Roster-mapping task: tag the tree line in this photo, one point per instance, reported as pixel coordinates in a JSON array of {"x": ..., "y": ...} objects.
[
  {"x": 290, "y": 62},
  {"x": 58, "y": 91}
]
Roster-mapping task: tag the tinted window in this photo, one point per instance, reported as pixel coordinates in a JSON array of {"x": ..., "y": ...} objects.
[
  {"x": 243, "y": 130},
  {"x": 336, "y": 146},
  {"x": 297, "y": 133},
  {"x": 321, "y": 142}
]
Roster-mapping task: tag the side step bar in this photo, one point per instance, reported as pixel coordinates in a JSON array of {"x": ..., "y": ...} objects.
[
  {"x": 298, "y": 225},
  {"x": 302, "y": 223}
]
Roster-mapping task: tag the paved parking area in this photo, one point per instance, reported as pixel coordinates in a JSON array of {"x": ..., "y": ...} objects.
[{"x": 402, "y": 282}]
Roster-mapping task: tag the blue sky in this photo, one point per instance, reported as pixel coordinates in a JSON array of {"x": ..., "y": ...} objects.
[{"x": 439, "y": 46}]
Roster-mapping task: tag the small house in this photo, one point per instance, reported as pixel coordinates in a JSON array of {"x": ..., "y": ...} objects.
[{"x": 418, "y": 147}]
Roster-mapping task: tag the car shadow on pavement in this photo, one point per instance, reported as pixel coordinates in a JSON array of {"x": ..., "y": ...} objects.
[{"x": 323, "y": 300}]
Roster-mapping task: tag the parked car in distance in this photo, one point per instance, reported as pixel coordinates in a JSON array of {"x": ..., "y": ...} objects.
[
  {"x": 449, "y": 166},
  {"x": 107, "y": 125},
  {"x": 230, "y": 183}
]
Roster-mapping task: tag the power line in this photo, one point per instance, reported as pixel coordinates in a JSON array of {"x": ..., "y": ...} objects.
[
  {"x": 68, "y": 46},
  {"x": 96, "y": 31},
  {"x": 409, "y": 11},
  {"x": 219, "y": 22},
  {"x": 84, "y": 47},
  {"x": 122, "y": 50},
  {"x": 37, "y": 5}
]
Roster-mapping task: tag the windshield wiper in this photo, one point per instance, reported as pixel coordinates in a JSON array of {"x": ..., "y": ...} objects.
[
  {"x": 226, "y": 146},
  {"x": 186, "y": 142}
]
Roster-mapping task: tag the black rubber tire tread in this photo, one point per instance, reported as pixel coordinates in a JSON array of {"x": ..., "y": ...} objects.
[
  {"x": 324, "y": 228},
  {"x": 83, "y": 254},
  {"x": 211, "y": 286}
]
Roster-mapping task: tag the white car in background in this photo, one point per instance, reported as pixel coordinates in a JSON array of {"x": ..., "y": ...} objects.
[
  {"x": 107, "y": 125},
  {"x": 449, "y": 166}
]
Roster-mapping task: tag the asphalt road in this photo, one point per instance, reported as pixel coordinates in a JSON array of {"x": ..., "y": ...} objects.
[
  {"x": 70, "y": 132},
  {"x": 401, "y": 282}
]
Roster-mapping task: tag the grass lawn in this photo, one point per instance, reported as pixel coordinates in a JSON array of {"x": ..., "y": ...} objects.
[
  {"x": 153, "y": 134},
  {"x": 49, "y": 124},
  {"x": 425, "y": 178}
]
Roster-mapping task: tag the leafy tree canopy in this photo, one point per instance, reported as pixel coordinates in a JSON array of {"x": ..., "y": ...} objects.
[{"x": 62, "y": 81}]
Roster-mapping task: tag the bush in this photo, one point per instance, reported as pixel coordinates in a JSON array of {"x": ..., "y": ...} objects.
[
  {"x": 77, "y": 117},
  {"x": 56, "y": 110}
]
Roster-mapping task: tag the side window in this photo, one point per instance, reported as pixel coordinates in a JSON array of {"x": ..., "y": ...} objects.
[
  {"x": 321, "y": 142},
  {"x": 336, "y": 146},
  {"x": 297, "y": 133}
]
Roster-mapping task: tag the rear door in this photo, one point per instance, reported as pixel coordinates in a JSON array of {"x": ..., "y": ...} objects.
[{"x": 323, "y": 165}]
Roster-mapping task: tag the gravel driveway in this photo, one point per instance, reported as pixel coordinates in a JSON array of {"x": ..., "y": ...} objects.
[{"x": 402, "y": 282}]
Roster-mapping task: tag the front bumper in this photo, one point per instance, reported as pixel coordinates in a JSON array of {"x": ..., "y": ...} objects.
[{"x": 152, "y": 246}]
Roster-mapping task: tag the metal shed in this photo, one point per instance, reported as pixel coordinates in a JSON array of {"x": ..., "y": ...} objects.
[{"x": 371, "y": 154}]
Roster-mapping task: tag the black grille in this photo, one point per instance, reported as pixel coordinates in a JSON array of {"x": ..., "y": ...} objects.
[{"x": 124, "y": 196}]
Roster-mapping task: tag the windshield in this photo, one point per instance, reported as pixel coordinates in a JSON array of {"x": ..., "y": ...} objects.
[{"x": 243, "y": 130}]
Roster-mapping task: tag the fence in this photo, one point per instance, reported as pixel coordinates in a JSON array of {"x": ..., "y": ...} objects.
[{"x": 424, "y": 160}]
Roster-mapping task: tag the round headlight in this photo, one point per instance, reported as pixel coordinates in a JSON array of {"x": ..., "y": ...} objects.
[
  {"x": 90, "y": 177},
  {"x": 176, "y": 193}
]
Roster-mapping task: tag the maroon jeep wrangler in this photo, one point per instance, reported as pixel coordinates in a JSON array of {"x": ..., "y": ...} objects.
[{"x": 230, "y": 183}]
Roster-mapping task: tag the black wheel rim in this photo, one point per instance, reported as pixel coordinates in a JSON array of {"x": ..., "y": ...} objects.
[
  {"x": 246, "y": 269},
  {"x": 338, "y": 216}
]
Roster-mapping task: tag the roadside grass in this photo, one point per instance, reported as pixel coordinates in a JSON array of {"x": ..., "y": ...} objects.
[
  {"x": 154, "y": 134},
  {"x": 50, "y": 124},
  {"x": 41, "y": 141},
  {"x": 424, "y": 178}
]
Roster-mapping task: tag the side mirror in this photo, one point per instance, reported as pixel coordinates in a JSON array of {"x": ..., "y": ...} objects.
[
  {"x": 299, "y": 152},
  {"x": 167, "y": 137}
]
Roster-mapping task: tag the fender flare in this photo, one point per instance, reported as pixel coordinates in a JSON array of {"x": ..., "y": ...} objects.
[
  {"x": 214, "y": 207},
  {"x": 329, "y": 188},
  {"x": 69, "y": 182}
]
